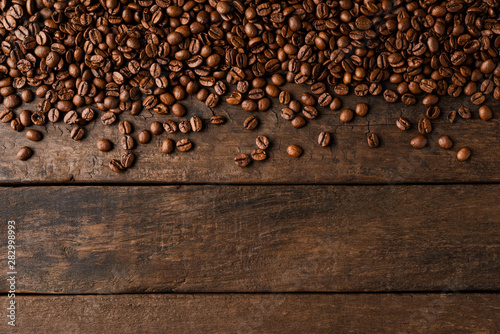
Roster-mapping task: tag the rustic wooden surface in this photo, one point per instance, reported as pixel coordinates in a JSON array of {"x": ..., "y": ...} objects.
[
  {"x": 269, "y": 313},
  {"x": 58, "y": 159},
  {"x": 255, "y": 238}
]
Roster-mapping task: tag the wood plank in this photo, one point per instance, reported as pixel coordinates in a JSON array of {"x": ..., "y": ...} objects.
[
  {"x": 77, "y": 240},
  {"x": 270, "y": 313},
  {"x": 349, "y": 160}
]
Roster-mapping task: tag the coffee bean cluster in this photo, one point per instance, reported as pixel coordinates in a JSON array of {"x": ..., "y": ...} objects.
[{"x": 109, "y": 57}]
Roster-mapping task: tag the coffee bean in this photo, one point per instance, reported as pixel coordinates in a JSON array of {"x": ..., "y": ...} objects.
[
  {"x": 294, "y": 151},
  {"x": 390, "y": 96},
  {"x": 284, "y": 97},
  {"x": 184, "y": 145},
  {"x": 144, "y": 137},
  {"x": 127, "y": 159},
  {"x": 310, "y": 112},
  {"x": 27, "y": 95},
  {"x": 104, "y": 145},
  {"x": 419, "y": 142},
  {"x": 156, "y": 128},
  {"x": 298, "y": 122},
  {"x": 262, "y": 142},
  {"x": 12, "y": 101},
  {"x": 373, "y": 140},
  {"x": 318, "y": 88},
  {"x": 16, "y": 125},
  {"x": 242, "y": 160},
  {"x": 485, "y": 113},
  {"x": 424, "y": 125},
  {"x": 108, "y": 118},
  {"x": 477, "y": 98},
  {"x": 249, "y": 105},
  {"x": 168, "y": 146},
  {"x": 445, "y": 142},
  {"x": 127, "y": 142},
  {"x": 464, "y": 112},
  {"x": 361, "y": 109},
  {"x": 88, "y": 114},
  {"x": 463, "y": 154},
  {"x": 251, "y": 122},
  {"x": 430, "y": 99},
  {"x": 217, "y": 119},
  {"x": 24, "y": 153},
  {"x": 53, "y": 115},
  {"x": 408, "y": 99},
  {"x": 116, "y": 166},
  {"x": 6, "y": 116},
  {"x": 170, "y": 126},
  {"x": 25, "y": 117},
  {"x": 346, "y": 115},
  {"x": 308, "y": 99},
  {"x": 259, "y": 155},
  {"x": 34, "y": 135},
  {"x": 196, "y": 123},
  {"x": 77, "y": 133},
  {"x": 70, "y": 117},
  {"x": 336, "y": 104},
  {"x": 178, "y": 109},
  {"x": 184, "y": 127},
  {"x": 324, "y": 139},
  {"x": 451, "y": 116}
]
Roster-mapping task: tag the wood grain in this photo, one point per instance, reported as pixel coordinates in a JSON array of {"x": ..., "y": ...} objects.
[
  {"x": 77, "y": 240},
  {"x": 270, "y": 313},
  {"x": 349, "y": 160}
]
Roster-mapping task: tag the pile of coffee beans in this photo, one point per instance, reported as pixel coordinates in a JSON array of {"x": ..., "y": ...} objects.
[{"x": 88, "y": 59}]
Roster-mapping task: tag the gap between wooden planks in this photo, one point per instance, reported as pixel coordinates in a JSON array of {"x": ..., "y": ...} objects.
[
  {"x": 256, "y": 313},
  {"x": 59, "y": 159},
  {"x": 100, "y": 240}
]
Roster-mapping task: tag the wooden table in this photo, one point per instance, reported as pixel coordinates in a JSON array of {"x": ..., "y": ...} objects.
[{"x": 344, "y": 239}]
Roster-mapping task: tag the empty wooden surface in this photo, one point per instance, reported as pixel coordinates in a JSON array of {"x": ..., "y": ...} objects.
[
  {"x": 348, "y": 160},
  {"x": 269, "y": 313},
  {"x": 255, "y": 238}
]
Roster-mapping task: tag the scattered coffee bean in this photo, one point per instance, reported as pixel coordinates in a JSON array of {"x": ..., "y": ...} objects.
[
  {"x": 24, "y": 153},
  {"x": 451, "y": 116},
  {"x": 34, "y": 135},
  {"x": 298, "y": 122},
  {"x": 25, "y": 117},
  {"x": 168, "y": 146},
  {"x": 445, "y": 142},
  {"x": 144, "y": 137},
  {"x": 361, "y": 109},
  {"x": 125, "y": 127},
  {"x": 485, "y": 113},
  {"x": 217, "y": 120},
  {"x": 463, "y": 154},
  {"x": 433, "y": 112},
  {"x": 127, "y": 159},
  {"x": 156, "y": 128},
  {"x": 242, "y": 160},
  {"x": 403, "y": 124},
  {"x": 251, "y": 123},
  {"x": 324, "y": 139},
  {"x": 116, "y": 166},
  {"x": 77, "y": 133},
  {"x": 346, "y": 115},
  {"x": 184, "y": 145},
  {"x": 419, "y": 142},
  {"x": 294, "y": 151},
  {"x": 373, "y": 140},
  {"x": 16, "y": 125},
  {"x": 258, "y": 154},
  {"x": 424, "y": 125},
  {"x": 196, "y": 124},
  {"x": 262, "y": 142},
  {"x": 6, "y": 116},
  {"x": 464, "y": 112},
  {"x": 127, "y": 142},
  {"x": 104, "y": 145}
]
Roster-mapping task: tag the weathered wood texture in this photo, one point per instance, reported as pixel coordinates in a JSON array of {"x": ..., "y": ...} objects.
[
  {"x": 254, "y": 238},
  {"x": 270, "y": 313},
  {"x": 349, "y": 160}
]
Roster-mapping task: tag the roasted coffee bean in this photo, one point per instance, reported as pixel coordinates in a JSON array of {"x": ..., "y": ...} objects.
[
  {"x": 88, "y": 114},
  {"x": 38, "y": 118},
  {"x": 336, "y": 104},
  {"x": 16, "y": 125},
  {"x": 361, "y": 109},
  {"x": 242, "y": 160},
  {"x": 477, "y": 98},
  {"x": 284, "y": 97},
  {"x": 463, "y": 154},
  {"x": 127, "y": 142},
  {"x": 77, "y": 133},
  {"x": 310, "y": 112},
  {"x": 464, "y": 112},
  {"x": 258, "y": 154},
  {"x": 53, "y": 115},
  {"x": 262, "y": 142},
  {"x": 294, "y": 151},
  {"x": 445, "y": 142},
  {"x": 116, "y": 166},
  {"x": 346, "y": 115},
  {"x": 485, "y": 113},
  {"x": 451, "y": 116},
  {"x": 125, "y": 127},
  {"x": 167, "y": 146},
  {"x": 308, "y": 99},
  {"x": 430, "y": 100},
  {"x": 251, "y": 122},
  {"x": 249, "y": 105},
  {"x": 12, "y": 101},
  {"x": 184, "y": 145},
  {"x": 27, "y": 95},
  {"x": 178, "y": 109},
  {"x": 184, "y": 127},
  {"x": 419, "y": 142},
  {"x": 403, "y": 124},
  {"x": 144, "y": 137},
  {"x": 108, "y": 118},
  {"x": 24, "y": 153},
  {"x": 6, "y": 116},
  {"x": 433, "y": 112},
  {"x": 34, "y": 135},
  {"x": 104, "y": 145},
  {"x": 127, "y": 159},
  {"x": 424, "y": 125},
  {"x": 294, "y": 105},
  {"x": 156, "y": 128},
  {"x": 408, "y": 99},
  {"x": 318, "y": 88},
  {"x": 70, "y": 117},
  {"x": 324, "y": 139},
  {"x": 196, "y": 124},
  {"x": 298, "y": 122},
  {"x": 373, "y": 140},
  {"x": 25, "y": 117},
  {"x": 217, "y": 119},
  {"x": 170, "y": 126},
  {"x": 263, "y": 104},
  {"x": 390, "y": 96}
]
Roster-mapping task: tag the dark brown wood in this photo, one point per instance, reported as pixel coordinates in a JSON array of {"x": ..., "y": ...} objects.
[
  {"x": 349, "y": 160},
  {"x": 77, "y": 240},
  {"x": 270, "y": 313}
]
